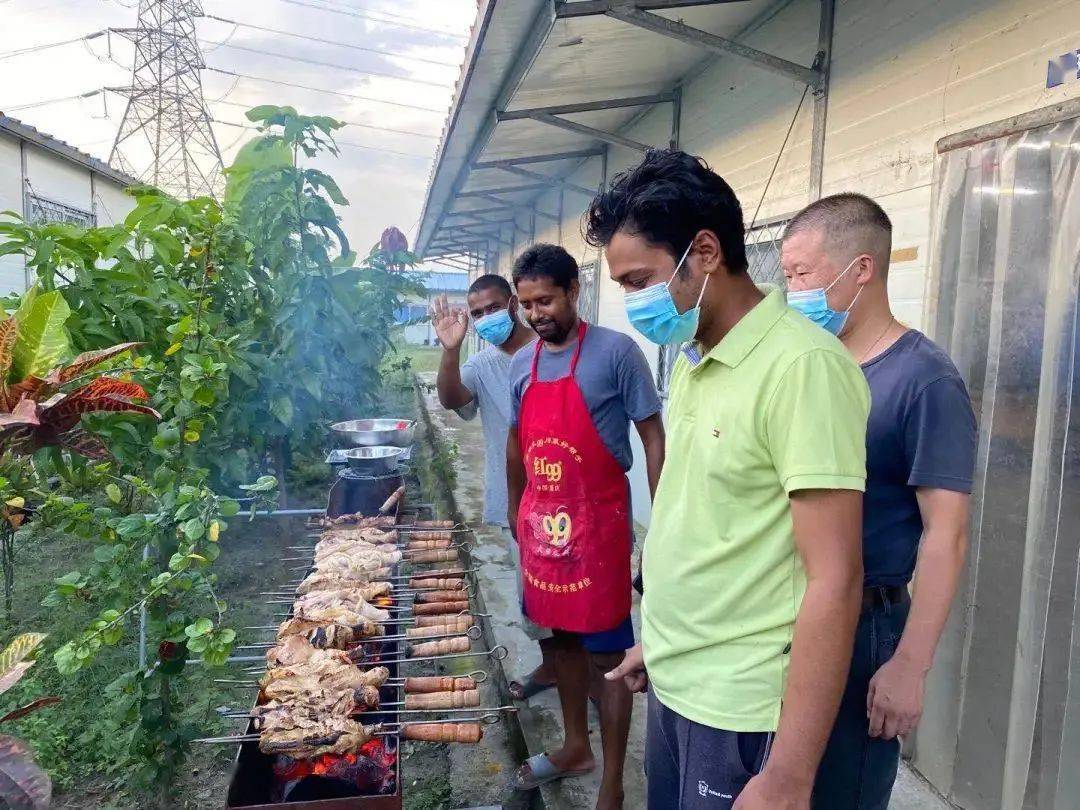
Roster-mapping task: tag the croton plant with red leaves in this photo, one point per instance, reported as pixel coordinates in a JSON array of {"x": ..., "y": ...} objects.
[{"x": 41, "y": 409}]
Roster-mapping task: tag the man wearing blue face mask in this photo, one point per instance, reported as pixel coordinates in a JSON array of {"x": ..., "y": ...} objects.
[
  {"x": 482, "y": 385},
  {"x": 751, "y": 565},
  {"x": 921, "y": 442}
]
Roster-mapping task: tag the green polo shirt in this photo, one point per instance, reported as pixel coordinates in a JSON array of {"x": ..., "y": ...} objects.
[{"x": 777, "y": 406}]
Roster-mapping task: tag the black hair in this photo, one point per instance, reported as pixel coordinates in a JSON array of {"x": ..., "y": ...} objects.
[
  {"x": 491, "y": 281},
  {"x": 546, "y": 261},
  {"x": 667, "y": 199}
]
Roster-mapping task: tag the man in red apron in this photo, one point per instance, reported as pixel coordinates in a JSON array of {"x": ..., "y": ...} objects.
[{"x": 574, "y": 394}]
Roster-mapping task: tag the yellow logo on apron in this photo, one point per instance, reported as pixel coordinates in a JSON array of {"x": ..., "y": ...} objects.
[
  {"x": 551, "y": 470},
  {"x": 557, "y": 527}
]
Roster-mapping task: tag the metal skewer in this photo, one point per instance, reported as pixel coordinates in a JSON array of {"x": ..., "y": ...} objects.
[
  {"x": 474, "y": 632},
  {"x": 240, "y": 714},
  {"x": 487, "y": 719},
  {"x": 497, "y": 653},
  {"x": 421, "y": 575}
]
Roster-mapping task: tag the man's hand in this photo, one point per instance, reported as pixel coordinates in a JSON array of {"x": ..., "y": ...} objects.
[
  {"x": 631, "y": 670},
  {"x": 451, "y": 325},
  {"x": 772, "y": 792},
  {"x": 894, "y": 703}
]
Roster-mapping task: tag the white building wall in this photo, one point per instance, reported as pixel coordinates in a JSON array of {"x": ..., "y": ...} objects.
[
  {"x": 12, "y": 275},
  {"x": 51, "y": 176},
  {"x": 905, "y": 73}
]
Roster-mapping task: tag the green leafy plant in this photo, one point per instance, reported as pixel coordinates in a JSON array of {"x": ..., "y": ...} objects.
[{"x": 22, "y": 782}]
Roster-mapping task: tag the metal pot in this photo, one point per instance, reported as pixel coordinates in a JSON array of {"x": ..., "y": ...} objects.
[
  {"x": 373, "y": 460},
  {"x": 377, "y": 432}
]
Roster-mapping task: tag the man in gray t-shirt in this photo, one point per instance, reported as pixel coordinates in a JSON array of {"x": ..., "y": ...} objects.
[
  {"x": 482, "y": 386},
  {"x": 483, "y": 383}
]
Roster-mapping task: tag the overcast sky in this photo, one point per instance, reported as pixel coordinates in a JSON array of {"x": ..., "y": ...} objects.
[{"x": 383, "y": 188}]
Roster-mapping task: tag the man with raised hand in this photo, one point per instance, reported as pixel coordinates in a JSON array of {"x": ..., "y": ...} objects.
[
  {"x": 752, "y": 563},
  {"x": 482, "y": 385},
  {"x": 920, "y": 455}
]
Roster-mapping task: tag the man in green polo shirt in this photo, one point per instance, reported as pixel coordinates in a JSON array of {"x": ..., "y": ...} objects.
[{"x": 752, "y": 565}]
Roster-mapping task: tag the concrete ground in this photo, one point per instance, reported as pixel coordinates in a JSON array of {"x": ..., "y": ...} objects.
[{"x": 540, "y": 718}]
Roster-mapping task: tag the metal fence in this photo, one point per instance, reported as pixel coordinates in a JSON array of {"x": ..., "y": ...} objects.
[{"x": 41, "y": 209}]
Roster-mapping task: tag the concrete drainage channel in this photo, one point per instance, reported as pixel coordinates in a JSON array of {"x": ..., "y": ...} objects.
[{"x": 504, "y": 752}]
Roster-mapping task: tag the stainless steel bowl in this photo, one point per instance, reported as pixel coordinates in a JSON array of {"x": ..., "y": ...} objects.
[
  {"x": 377, "y": 432},
  {"x": 373, "y": 460}
]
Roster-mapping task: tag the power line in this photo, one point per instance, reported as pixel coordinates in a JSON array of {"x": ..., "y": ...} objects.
[
  {"x": 348, "y": 68},
  {"x": 363, "y": 16},
  {"x": 36, "y": 48},
  {"x": 322, "y": 41},
  {"x": 35, "y": 104},
  {"x": 324, "y": 90},
  {"x": 339, "y": 143},
  {"x": 351, "y": 123}
]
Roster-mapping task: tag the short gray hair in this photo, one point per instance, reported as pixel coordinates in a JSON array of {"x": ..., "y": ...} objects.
[{"x": 851, "y": 222}]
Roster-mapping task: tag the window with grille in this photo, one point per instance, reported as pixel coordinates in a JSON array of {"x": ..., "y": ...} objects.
[
  {"x": 589, "y": 297},
  {"x": 763, "y": 264},
  {"x": 41, "y": 209}
]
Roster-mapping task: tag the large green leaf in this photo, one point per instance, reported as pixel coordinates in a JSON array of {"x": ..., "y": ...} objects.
[
  {"x": 42, "y": 339},
  {"x": 23, "y": 785},
  {"x": 16, "y": 654}
]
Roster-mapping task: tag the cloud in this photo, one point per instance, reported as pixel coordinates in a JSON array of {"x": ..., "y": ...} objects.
[{"x": 383, "y": 189}]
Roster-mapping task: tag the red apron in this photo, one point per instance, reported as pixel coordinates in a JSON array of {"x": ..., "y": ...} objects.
[{"x": 574, "y": 519}]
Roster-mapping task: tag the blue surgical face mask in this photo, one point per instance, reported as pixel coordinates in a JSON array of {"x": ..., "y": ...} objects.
[
  {"x": 815, "y": 305},
  {"x": 652, "y": 311},
  {"x": 495, "y": 328}
]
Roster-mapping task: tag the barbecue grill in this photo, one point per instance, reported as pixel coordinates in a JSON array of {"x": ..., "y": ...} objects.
[{"x": 369, "y": 778}]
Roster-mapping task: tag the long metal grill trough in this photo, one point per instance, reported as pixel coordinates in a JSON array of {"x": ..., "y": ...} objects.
[{"x": 428, "y": 618}]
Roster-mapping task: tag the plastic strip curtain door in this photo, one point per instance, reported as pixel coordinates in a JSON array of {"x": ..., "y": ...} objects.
[{"x": 1002, "y": 722}]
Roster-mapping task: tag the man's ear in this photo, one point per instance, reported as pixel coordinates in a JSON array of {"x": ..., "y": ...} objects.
[
  {"x": 573, "y": 290},
  {"x": 710, "y": 256}
]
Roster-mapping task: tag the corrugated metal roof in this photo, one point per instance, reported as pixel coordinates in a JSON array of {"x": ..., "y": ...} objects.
[
  {"x": 23, "y": 131},
  {"x": 527, "y": 54},
  {"x": 437, "y": 281}
]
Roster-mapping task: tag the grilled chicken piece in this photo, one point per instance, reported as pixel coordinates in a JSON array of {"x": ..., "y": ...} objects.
[
  {"x": 359, "y": 520},
  {"x": 354, "y": 550},
  {"x": 349, "y": 534},
  {"x": 325, "y": 582},
  {"x": 327, "y": 632},
  {"x": 318, "y": 604},
  {"x": 348, "y": 566},
  {"x": 352, "y": 598},
  {"x": 341, "y": 614},
  {"x": 312, "y": 706},
  {"x": 386, "y": 556},
  {"x": 298, "y": 649},
  {"x": 327, "y": 737},
  {"x": 319, "y": 673}
]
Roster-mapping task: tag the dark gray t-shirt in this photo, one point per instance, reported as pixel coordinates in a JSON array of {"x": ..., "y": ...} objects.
[
  {"x": 921, "y": 433},
  {"x": 613, "y": 375}
]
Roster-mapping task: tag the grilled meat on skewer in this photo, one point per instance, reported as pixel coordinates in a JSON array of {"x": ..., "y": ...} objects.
[
  {"x": 349, "y": 615},
  {"x": 322, "y": 582},
  {"x": 328, "y": 632},
  {"x": 447, "y": 584},
  {"x": 354, "y": 550},
  {"x": 384, "y": 521},
  {"x": 321, "y": 672},
  {"x": 391, "y": 503},
  {"x": 434, "y": 683},
  {"x": 347, "y": 599},
  {"x": 351, "y": 534},
  {"x": 329, "y": 736},
  {"x": 348, "y": 565}
]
